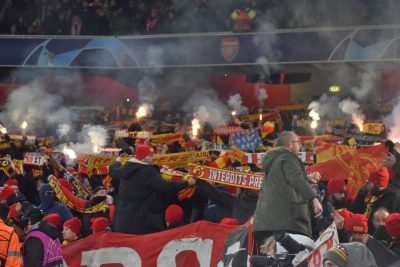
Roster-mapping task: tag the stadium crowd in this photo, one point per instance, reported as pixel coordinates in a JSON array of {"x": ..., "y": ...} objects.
[
  {"x": 132, "y": 197},
  {"x": 131, "y": 17}
]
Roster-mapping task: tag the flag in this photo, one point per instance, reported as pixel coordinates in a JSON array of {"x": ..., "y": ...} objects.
[
  {"x": 326, "y": 151},
  {"x": 247, "y": 140},
  {"x": 353, "y": 165}
]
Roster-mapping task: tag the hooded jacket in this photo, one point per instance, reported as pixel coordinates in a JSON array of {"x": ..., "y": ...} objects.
[
  {"x": 49, "y": 205},
  {"x": 140, "y": 209},
  {"x": 285, "y": 195}
]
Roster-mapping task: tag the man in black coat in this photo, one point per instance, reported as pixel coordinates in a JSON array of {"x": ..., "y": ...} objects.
[
  {"x": 241, "y": 207},
  {"x": 140, "y": 209}
]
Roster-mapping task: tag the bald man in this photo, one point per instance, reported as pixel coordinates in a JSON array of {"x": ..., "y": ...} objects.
[{"x": 285, "y": 194}]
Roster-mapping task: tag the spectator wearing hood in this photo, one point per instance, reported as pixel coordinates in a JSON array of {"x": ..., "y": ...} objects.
[
  {"x": 140, "y": 209},
  {"x": 375, "y": 194},
  {"x": 41, "y": 246},
  {"x": 49, "y": 205}
]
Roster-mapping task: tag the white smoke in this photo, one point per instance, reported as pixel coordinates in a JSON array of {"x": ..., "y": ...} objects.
[
  {"x": 349, "y": 107},
  {"x": 154, "y": 57},
  {"x": 367, "y": 85},
  {"x": 352, "y": 108},
  {"x": 261, "y": 94},
  {"x": 37, "y": 107},
  {"x": 235, "y": 102},
  {"x": 392, "y": 123},
  {"x": 90, "y": 139},
  {"x": 264, "y": 71},
  {"x": 63, "y": 129},
  {"x": 326, "y": 107},
  {"x": 208, "y": 107},
  {"x": 148, "y": 94}
]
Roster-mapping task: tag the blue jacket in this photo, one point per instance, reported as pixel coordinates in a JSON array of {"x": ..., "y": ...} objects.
[{"x": 49, "y": 205}]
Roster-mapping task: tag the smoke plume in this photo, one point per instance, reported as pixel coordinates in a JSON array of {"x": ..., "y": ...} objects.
[
  {"x": 208, "y": 107},
  {"x": 90, "y": 139},
  {"x": 40, "y": 109},
  {"x": 352, "y": 108},
  {"x": 261, "y": 94},
  {"x": 326, "y": 107},
  {"x": 367, "y": 85},
  {"x": 235, "y": 103},
  {"x": 392, "y": 123}
]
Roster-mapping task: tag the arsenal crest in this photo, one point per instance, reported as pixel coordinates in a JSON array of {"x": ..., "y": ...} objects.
[{"x": 229, "y": 48}]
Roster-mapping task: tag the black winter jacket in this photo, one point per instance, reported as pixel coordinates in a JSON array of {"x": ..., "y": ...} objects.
[
  {"x": 242, "y": 206},
  {"x": 140, "y": 209}
]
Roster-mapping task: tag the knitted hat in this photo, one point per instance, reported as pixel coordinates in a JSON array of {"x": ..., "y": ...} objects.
[
  {"x": 380, "y": 178},
  {"x": 393, "y": 224},
  {"x": 143, "y": 151},
  {"x": 74, "y": 225},
  {"x": 64, "y": 182},
  {"x": 229, "y": 221},
  {"x": 99, "y": 224},
  {"x": 338, "y": 255},
  {"x": 12, "y": 212},
  {"x": 54, "y": 219},
  {"x": 11, "y": 182},
  {"x": 6, "y": 193},
  {"x": 347, "y": 218},
  {"x": 359, "y": 224},
  {"x": 173, "y": 214},
  {"x": 359, "y": 255},
  {"x": 336, "y": 185}
]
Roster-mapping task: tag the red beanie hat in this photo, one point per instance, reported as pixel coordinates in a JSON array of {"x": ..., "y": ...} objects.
[
  {"x": 380, "y": 178},
  {"x": 99, "y": 224},
  {"x": 74, "y": 225},
  {"x": 11, "y": 182},
  {"x": 173, "y": 214},
  {"x": 143, "y": 151},
  {"x": 64, "y": 182},
  {"x": 54, "y": 219},
  {"x": 347, "y": 218},
  {"x": 393, "y": 224},
  {"x": 229, "y": 221},
  {"x": 336, "y": 185},
  {"x": 12, "y": 212},
  {"x": 6, "y": 193},
  {"x": 359, "y": 224}
]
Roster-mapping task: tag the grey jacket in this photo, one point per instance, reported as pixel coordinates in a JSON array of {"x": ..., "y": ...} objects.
[{"x": 285, "y": 195}]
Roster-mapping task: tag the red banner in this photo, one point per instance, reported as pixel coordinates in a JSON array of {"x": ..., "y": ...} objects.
[
  {"x": 354, "y": 164},
  {"x": 197, "y": 244}
]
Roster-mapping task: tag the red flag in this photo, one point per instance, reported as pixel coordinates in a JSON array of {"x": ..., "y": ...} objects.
[{"x": 353, "y": 164}]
